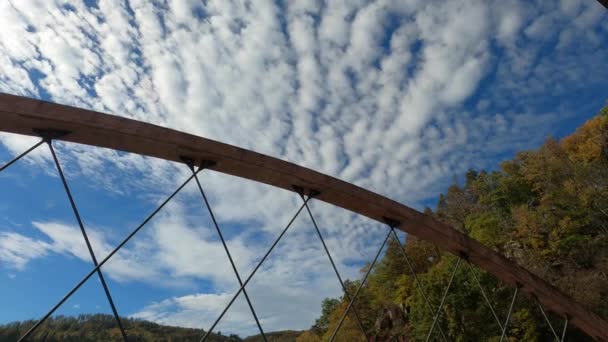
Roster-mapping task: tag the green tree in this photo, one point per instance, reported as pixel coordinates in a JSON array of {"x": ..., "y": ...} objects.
[{"x": 327, "y": 307}]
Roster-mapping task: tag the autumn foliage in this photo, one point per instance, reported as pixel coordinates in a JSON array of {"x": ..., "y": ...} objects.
[{"x": 547, "y": 210}]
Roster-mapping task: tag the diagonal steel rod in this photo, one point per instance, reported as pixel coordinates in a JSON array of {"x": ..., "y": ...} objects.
[
  {"x": 86, "y": 240},
  {"x": 548, "y": 322},
  {"x": 3, "y": 167},
  {"x": 504, "y": 330},
  {"x": 219, "y": 232},
  {"x": 445, "y": 295},
  {"x": 207, "y": 334},
  {"x": 483, "y": 293},
  {"x": 102, "y": 262},
  {"x": 565, "y": 328},
  {"x": 350, "y": 304},
  {"x": 331, "y": 260},
  {"x": 418, "y": 283}
]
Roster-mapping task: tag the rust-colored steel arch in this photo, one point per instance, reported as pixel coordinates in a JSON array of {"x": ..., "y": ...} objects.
[{"x": 24, "y": 115}]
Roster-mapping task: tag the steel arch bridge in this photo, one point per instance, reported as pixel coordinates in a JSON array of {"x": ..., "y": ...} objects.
[{"x": 51, "y": 121}]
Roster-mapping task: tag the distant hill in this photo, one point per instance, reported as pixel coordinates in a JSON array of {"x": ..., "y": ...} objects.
[
  {"x": 101, "y": 327},
  {"x": 276, "y": 336}
]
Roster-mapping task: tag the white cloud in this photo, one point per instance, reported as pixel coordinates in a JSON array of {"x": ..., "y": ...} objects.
[
  {"x": 17, "y": 144},
  {"x": 373, "y": 92},
  {"x": 67, "y": 239},
  {"x": 297, "y": 273},
  {"x": 200, "y": 311},
  {"x": 307, "y": 89},
  {"x": 17, "y": 250}
]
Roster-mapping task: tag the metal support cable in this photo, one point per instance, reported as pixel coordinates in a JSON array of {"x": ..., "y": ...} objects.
[
  {"x": 3, "y": 167},
  {"x": 219, "y": 232},
  {"x": 416, "y": 280},
  {"x": 350, "y": 304},
  {"x": 331, "y": 260},
  {"x": 276, "y": 241},
  {"x": 102, "y": 262},
  {"x": 564, "y": 330},
  {"x": 445, "y": 294},
  {"x": 88, "y": 243},
  {"x": 548, "y": 322},
  {"x": 483, "y": 293},
  {"x": 504, "y": 330}
]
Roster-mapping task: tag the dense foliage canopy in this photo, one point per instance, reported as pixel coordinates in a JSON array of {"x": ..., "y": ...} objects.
[{"x": 545, "y": 209}]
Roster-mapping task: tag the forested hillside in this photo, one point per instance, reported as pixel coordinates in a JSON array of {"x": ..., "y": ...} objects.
[
  {"x": 100, "y": 327},
  {"x": 545, "y": 209}
]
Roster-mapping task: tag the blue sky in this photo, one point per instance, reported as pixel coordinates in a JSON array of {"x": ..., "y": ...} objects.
[{"x": 396, "y": 96}]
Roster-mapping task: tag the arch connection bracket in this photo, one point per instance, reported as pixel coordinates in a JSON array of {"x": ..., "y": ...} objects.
[{"x": 48, "y": 134}]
